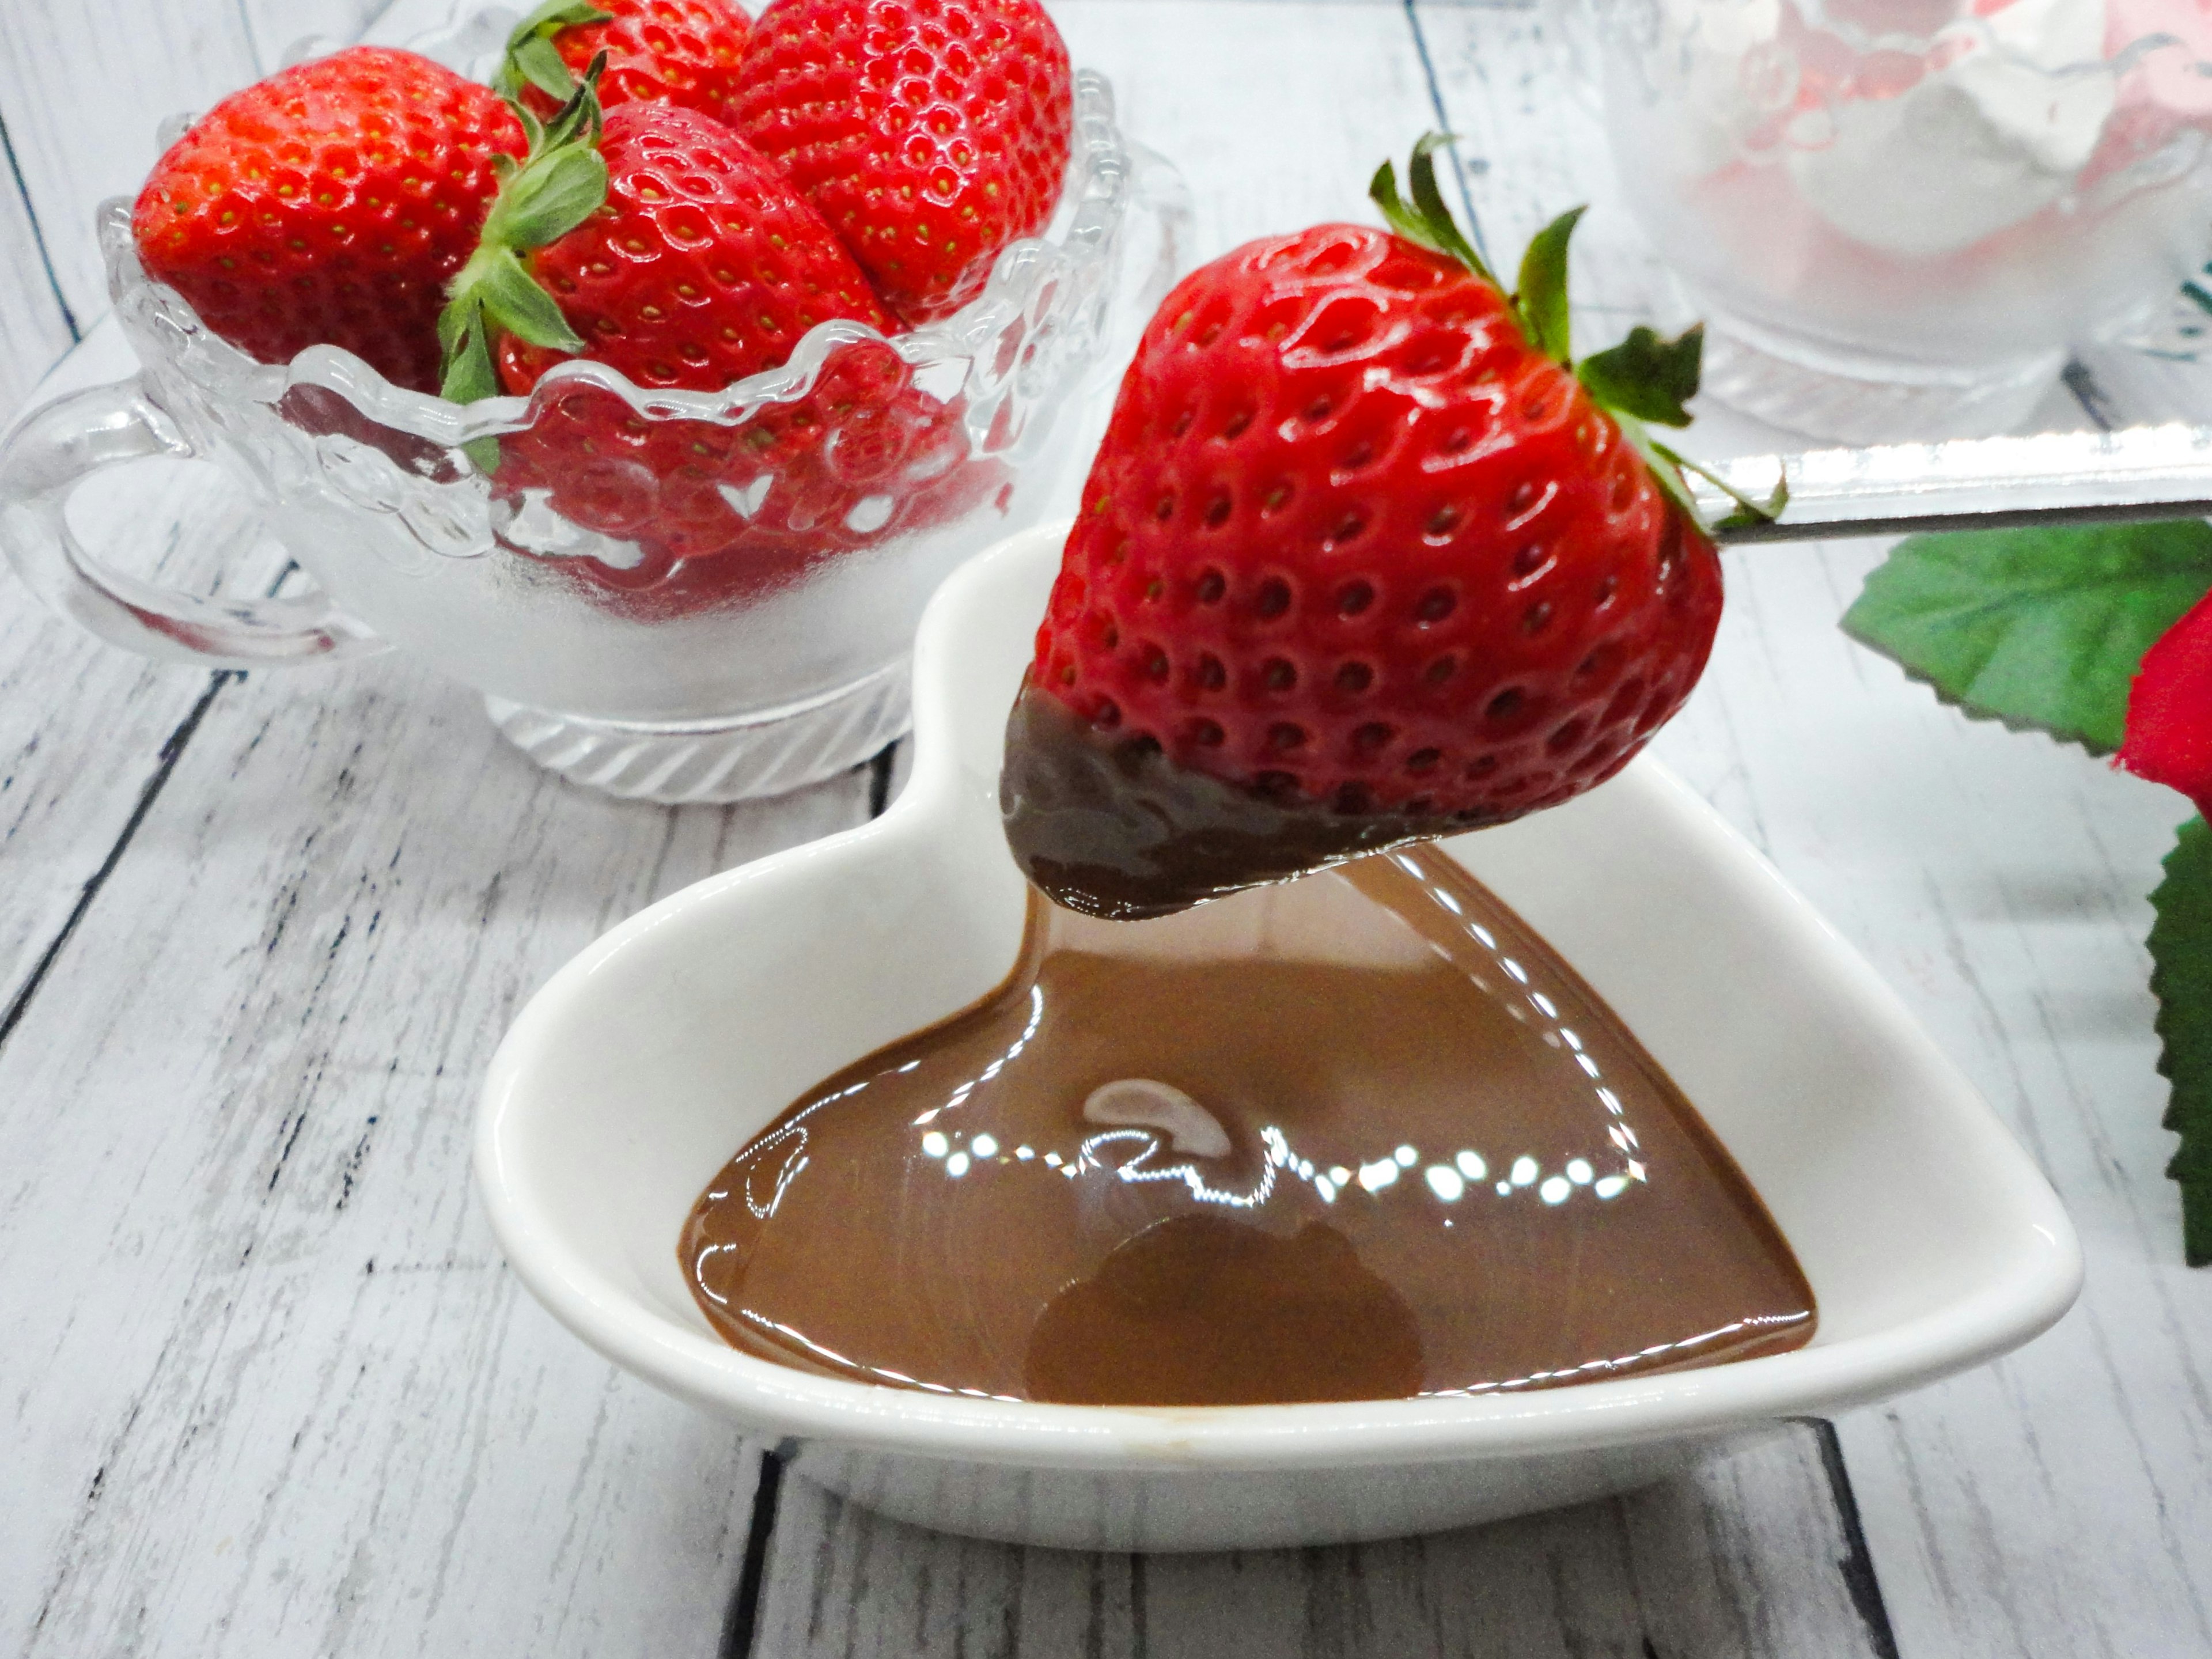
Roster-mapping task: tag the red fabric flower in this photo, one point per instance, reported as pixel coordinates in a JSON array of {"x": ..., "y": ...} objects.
[{"x": 2169, "y": 729}]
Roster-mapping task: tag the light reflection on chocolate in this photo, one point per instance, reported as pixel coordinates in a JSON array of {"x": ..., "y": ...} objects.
[{"x": 1359, "y": 1135}]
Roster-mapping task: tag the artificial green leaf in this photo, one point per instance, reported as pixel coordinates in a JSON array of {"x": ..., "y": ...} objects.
[
  {"x": 515, "y": 301},
  {"x": 2041, "y": 629},
  {"x": 1645, "y": 376},
  {"x": 2181, "y": 978},
  {"x": 1543, "y": 294}
]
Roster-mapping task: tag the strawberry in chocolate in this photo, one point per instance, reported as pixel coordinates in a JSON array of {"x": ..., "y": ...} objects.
[
  {"x": 330, "y": 204},
  {"x": 931, "y": 133},
  {"x": 1365, "y": 556}
]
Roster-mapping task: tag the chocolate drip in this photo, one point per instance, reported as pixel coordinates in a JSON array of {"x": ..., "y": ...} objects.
[{"x": 1359, "y": 1136}]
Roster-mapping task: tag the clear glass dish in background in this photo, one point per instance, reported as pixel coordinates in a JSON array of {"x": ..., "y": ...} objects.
[
  {"x": 723, "y": 613},
  {"x": 1900, "y": 216}
]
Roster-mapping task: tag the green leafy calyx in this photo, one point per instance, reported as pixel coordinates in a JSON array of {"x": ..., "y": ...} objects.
[
  {"x": 1645, "y": 381},
  {"x": 560, "y": 184},
  {"x": 532, "y": 58}
]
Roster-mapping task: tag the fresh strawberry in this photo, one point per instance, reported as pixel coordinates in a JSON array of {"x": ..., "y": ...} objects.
[
  {"x": 329, "y": 204},
  {"x": 658, "y": 51},
  {"x": 666, "y": 247},
  {"x": 1364, "y": 557},
  {"x": 699, "y": 268},
  {"x": 722, "y": 515},
  {"x": 931, "y": 133}
]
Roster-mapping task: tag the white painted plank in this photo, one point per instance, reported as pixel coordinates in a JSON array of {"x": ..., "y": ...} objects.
[
  {"x": 1275, "y": 113},
  {"x": 1742, "y": 1558},
  {"x": 83, "y": 726},
  {"x": 35, "y": 326},
  {"x": 271, "y": 1389},
  {"x": 2059, "y": 1502}
]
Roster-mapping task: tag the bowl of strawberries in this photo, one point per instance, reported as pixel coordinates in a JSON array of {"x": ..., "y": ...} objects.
[{"x": 645, "y": 375}]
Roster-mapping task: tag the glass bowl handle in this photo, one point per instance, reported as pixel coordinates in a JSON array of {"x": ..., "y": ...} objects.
[{"x": 62, "y": 446}]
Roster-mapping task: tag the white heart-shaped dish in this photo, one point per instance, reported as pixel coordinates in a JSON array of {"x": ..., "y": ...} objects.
[{"x": 1931, "y": 1241}]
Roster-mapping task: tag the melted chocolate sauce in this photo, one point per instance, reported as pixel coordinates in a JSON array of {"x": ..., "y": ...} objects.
[{"x": 1357, "y": 1136}]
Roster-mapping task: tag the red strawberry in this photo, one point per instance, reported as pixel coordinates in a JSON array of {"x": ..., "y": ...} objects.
[
  {"x": 1361, "y": 559},
  {"x": 669, "y": 249},
  {"x": 931, "y": 133},
  {"x": 722, "y": 515},
  {"x": 684, "y": 53},
  {"x": 701, "y": 268},
  {"x": 329, "y": 204}
]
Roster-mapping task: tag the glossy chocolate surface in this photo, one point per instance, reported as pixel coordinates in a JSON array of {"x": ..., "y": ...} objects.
[
  {"x": 1361, "y": 1135},
  {"x": 1111, "y": 827}
]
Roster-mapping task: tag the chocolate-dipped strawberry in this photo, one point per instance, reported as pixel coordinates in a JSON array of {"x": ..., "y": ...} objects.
[{"x": 1365, "y": 556}]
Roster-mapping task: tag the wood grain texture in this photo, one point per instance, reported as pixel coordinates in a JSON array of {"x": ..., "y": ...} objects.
[
  {"x": 291, "y": 1399},
  {"x": 2060, "y": 1501},
  {"x": 84, "y": 729},
  {"x": 271, "y": 1391},
  {"x": 1744, "y": 1558},
  {"x": 36, "y": 327}
]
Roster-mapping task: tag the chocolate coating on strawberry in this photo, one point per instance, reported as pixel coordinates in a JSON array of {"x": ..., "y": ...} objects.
[
  {"x": 931, "y": 133},
  {"x": 1355, "y": 564},
  {"x": 1114, "y": 828},
  {"x": 329, "y": 204}
]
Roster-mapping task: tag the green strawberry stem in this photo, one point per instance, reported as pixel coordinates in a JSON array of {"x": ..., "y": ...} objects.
[
  {"x": 559, "y": 183},
  {"x": 531, "y": 59},
  {"x": 1643, "y": 382}
]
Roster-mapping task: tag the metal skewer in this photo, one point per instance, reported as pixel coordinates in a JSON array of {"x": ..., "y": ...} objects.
[{"x": 2051, "y": 478}]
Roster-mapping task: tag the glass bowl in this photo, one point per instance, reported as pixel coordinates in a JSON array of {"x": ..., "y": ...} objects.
[
  {"x": 1900, "y": 217},
  {"x": 681, "y": 596}
]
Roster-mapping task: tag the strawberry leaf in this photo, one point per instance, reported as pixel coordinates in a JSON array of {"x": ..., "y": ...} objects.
[
  {"x": 531, "y": 56},
  {"x": 2181, "y": 980},
  {"x": 1543, "y": 294},
  {"x": 1426, "y": 221},
  {"x": 469, "y": 374},
  {"x": 1644, "y": 375},
  {"x": 539, "y": 63},
  {"x": 560, "y": 184},
  {"x": 548, "y": 198},
  {"x": 515, "y": 303},
  {"x": 2041, "y": 629}
]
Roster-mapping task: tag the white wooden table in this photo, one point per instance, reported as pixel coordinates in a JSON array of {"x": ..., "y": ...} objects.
[{"x": 268, "y": 1388}]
